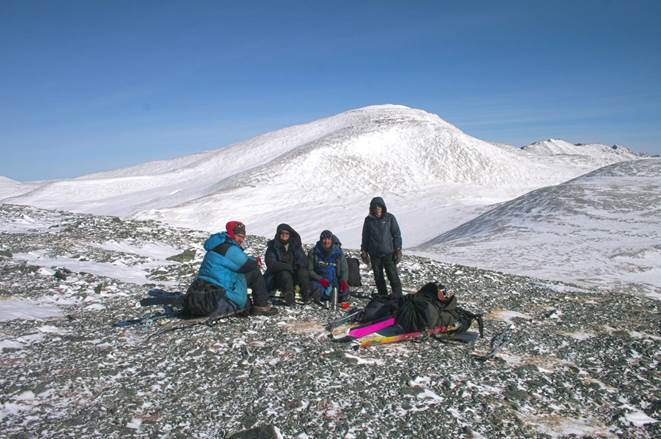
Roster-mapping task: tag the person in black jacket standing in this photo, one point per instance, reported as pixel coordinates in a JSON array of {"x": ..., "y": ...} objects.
[
  {"x": 286, "y": 264},
  {"x": 382, "y": 247}
]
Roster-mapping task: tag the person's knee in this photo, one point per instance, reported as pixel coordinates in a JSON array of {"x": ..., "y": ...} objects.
[
  {"x": 285, "y": 276},
  {"x": 285, "y": 280},
  {"x": 253, "y": 275}
]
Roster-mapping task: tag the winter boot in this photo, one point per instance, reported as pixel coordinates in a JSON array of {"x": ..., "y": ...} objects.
[
  {"x": 290, "y": 297},
  {"x": 268, "y": 310}
]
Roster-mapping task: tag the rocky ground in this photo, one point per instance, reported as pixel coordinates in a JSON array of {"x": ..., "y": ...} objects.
[{"x": 578, "y": 363}]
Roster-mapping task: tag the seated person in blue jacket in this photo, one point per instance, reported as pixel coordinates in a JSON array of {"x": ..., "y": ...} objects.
[
  {"x": 226, "y": 273},
  {"x": 286, "y": 265},
  {"x": 328, "y": 268}
]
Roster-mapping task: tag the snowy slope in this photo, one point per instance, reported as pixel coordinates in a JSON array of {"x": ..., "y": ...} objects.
[
  {"x": 13, "y": 188},
  {"x": 599, "y": 229},
  {"x": 322, "y": 175}
]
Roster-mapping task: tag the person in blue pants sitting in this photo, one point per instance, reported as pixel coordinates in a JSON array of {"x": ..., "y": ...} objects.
[{"x": 328, "y": 268}]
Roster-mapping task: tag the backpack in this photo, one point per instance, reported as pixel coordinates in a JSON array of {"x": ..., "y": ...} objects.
[
  {"x": 202, "y": 298},
  {"x": 418, "y": 312},
  {"x": 354, "y": 272},
  {"x": 380, "y": 307}
]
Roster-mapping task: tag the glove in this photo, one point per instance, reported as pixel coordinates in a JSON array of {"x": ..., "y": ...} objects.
[
  {"x": 365, "y": 257},
  {"x": 324, "y": 282},
  {"x": 397, "y": 257},
  {"x": 344, "y": 286}
]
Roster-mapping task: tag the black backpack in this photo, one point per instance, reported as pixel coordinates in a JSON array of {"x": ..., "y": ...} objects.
[
  {"x": 379, "y": 308},
  {"x": 354, "y": 272},
  {"x": 202, "y": 298},
  {"x": 419, "y": 312}
]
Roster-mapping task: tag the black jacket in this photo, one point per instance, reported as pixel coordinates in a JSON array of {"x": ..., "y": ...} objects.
[
  {"x": 381, "y": 236},
  {"x": 278, "y": 258}
]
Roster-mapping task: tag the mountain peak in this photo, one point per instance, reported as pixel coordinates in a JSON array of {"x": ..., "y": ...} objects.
[{"x": 318, "y": 175}]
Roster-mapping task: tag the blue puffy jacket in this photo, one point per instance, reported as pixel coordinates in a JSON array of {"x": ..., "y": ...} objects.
[{"x": 223, "y": 270}]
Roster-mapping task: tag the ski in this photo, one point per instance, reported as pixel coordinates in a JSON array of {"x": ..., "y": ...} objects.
[
  {"x": 357, "y": 332},
  {"x": 399, "y": 337},
  {"x": 208, "y": 321},
  {"x": 167, "y": 312},
  {"x": 362, "y": 331}
]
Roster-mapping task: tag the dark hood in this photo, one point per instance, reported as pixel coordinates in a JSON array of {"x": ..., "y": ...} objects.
[
  {"x": 294, "y": 237},
  {"x": 378, "y": 201}
]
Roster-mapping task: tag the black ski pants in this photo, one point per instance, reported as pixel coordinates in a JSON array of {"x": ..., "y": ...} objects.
[
  {"x": 255, "y": 280},
  {"x": 285, "y": 281},
  {"x": 387, "y": 264}
]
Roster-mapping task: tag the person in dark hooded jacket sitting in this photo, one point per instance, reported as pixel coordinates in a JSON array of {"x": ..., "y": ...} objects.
[
  {"x": 286, "y": 264},
  {"x": 381, "y": 246},
  {"x": 328, "y": 268}
]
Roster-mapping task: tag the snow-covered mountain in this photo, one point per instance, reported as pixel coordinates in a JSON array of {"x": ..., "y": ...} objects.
[
  {"x": 601, "y": 229},
  {"x": 561, "y": 147},
  {"x": 322, "y": 175},
  {"x": 589, "y": 154},
  {"x": 13, "y": 188}
]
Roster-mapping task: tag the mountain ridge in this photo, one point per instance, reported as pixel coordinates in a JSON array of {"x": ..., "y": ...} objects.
[{"x": 324, "y": 171}]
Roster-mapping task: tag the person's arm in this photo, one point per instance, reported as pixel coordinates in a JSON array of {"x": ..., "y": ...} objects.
[
  {"x": 301, "y": 260},
  {"x": 363, "y": 242},
  {"x": 235, "y": 258},
  {"x": 250, "y": 265},
  {"x": 344, "y": 268},
  {"x": 311, "y": 271},
  {"x": 396, "y": 234}
]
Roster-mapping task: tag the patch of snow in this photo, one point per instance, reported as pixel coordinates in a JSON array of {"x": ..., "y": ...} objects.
[
  {"x": 361, "y": 360},
  {"x": 579, "y": 335},
  {"x": 126, "y": 273},
  {"x": 12, "y": 309},
  {"x": 154, "y": 250},
  {"x": 560, "y": 426},
  {"x": 639, "y": 418},
  {"x": 134, "y": 424},
  {"x": 48, "y": 329},
  {"x": 430, "y": 396},
  {"x": 95, "y": 307},
  {"x": 507, "y": 315},
  {"x": 636, "y": 334}
]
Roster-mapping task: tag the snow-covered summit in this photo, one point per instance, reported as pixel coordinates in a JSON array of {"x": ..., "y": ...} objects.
[{"x": 321, "y": 175}]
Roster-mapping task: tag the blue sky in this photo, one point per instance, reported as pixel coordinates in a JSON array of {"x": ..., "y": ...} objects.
[{"x": 95, "y": 85}]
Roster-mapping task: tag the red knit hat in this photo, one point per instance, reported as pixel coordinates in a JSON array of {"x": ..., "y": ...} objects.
[{"x": 234, "y": 228}]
